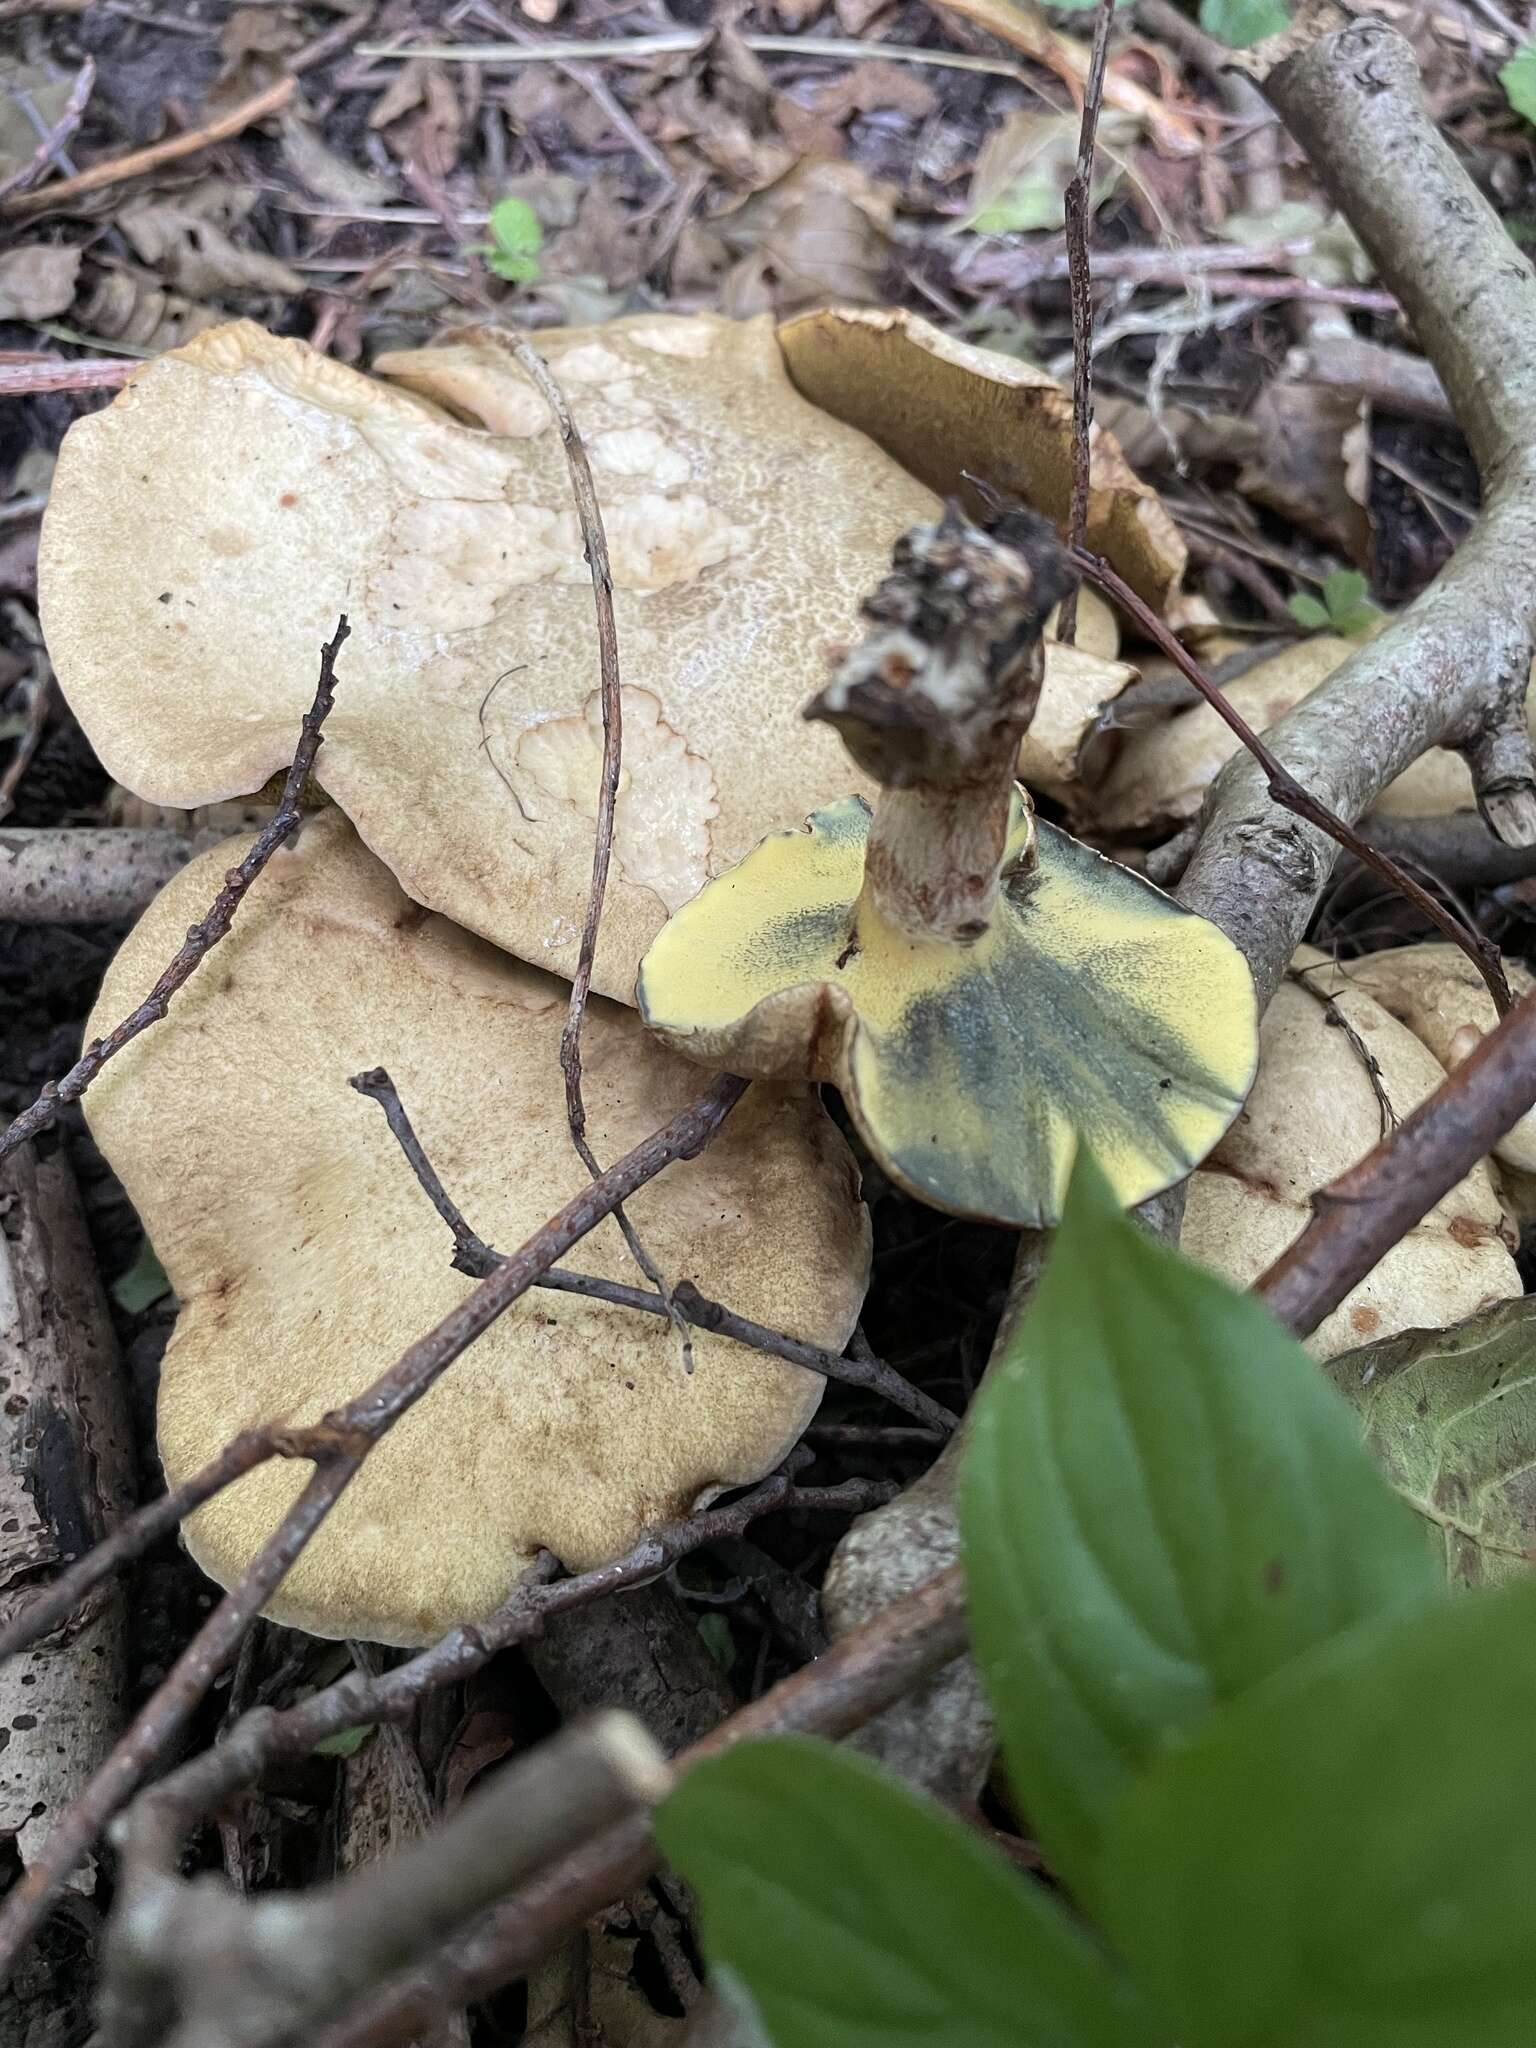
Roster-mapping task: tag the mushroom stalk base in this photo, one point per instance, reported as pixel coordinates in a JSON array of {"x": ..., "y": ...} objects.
[{"x": 934, "y": 860}]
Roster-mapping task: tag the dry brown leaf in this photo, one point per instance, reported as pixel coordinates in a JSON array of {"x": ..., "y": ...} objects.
[
  {"x": 123, "y": 303},
  {"x": 869, "y": 86},
  {"x": 1312, "y": 463},
  {"x": 321, "y": 171},
  {"x": 404, "y": 93},
  {"x": 820, "y": 233},
  {"x": 720, "y": 103},
  {"x": 185, "y": 241},
  {"x": 38, "y": 280},
  {"x": 432, "y": 134},
  {"x": 854, "y": 16}
]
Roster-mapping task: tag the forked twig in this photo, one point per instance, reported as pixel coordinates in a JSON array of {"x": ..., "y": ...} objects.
[
  {"x": 1286, "y": 791},
  {"x": 595, "y": 546},
  {"x": 27, "y": 744},
  {"x": 203, "y": 936},
  {"x": 472, "y": 1255}
]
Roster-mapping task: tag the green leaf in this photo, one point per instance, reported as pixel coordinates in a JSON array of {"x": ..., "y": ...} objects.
[
  {"x": 347, "y": 1743},
  {"x": 1450, "y": 1416},
  {"x": 1162, "y": 1503},
  {"x": 1237, "y": 23},
  {"x": 854, "y": 1912},
  {"x": 143, "y": 1284},
  {"x": 1347, "y": 1857},
  {"x": 1309, "y": 613},
  {"x": 516, "y": 239},
  {"x": 1343, "y": 590},
  {"x": 1518, "y": 78}
]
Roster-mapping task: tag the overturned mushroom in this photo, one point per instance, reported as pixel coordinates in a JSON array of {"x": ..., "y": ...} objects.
[
  {"x": 207, "y": 527},
  {"x": 1335, "y": 1071},
  {"x": 985, "y": 991},
  {"x": 305, "y": 1258}
]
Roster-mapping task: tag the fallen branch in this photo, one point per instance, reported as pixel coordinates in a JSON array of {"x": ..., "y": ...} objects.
[
  {"x": 196, "y": 1966},
  {"x": 1453, "y": 668},
  {"x": 50, "y": 197},
  {"x": 52, "y": 373},
  {"x": 207, "y": 932},
  {"x": 338, "y": 1447},
  {"x": 472, "y": 1255},
  {"x": 86, "y": 875}
]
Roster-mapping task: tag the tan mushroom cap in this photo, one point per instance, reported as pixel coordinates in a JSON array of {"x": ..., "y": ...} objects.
[
  {"x": 306, "y": 1258},
  {"x": 1160, "y": 776},
  {"x": 1438, "y": 993},
  {"x": 1313, "y": 1112},
  {"x": 208, "y": 527}
]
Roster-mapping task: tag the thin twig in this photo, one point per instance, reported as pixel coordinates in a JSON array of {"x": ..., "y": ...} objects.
[
  {"x": 679, "y": 42},
  {"x": 138, "y": 161},
  {"x": 474, "y": 1256},
  {"x": 28, "y": 742},
  {"x": 1079, "y": 215},
  {"x": 207, "y": 932},
  {"x": 1286, "y": 791},
  {"x": 58, "y": 134},
  {"x": 595, "y": 546},
  {"x": 258, "y": 1741},
  {"x": 339, "y": 1445},
  {"x": 53, "y": 373}
]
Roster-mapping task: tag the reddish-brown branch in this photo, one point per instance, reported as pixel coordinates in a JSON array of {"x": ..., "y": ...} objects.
[
  {"x": 1287, "y": 792},
  {"x": 207, "y": 932},
  {"x": 52, "y": 373},
  {"x": 1358, "y": 1218},
  {"x": 341, "y": 1442}
]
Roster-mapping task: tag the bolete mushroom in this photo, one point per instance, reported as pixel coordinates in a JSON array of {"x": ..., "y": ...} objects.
[
  {"x": 305, "y": 1257},
  {"x": 1335, "y": 1068},
  {"x": 985, "y": 991},
  {"x": 206, "y": 529}
]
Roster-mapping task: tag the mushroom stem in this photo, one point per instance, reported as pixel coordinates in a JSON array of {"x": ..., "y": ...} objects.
[{"x": 933, "y": 702}]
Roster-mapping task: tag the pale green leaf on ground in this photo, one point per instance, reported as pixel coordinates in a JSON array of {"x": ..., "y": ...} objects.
[
  {"x": 1163, "y": 1502},
  {"x": 1450, "y": 1415},
  {"x": 1518, "y": 79},
  {"x": 856, "y": 1913},
  {"x": 1237, "y": 23},
  {"x": 1346, "y": 1858},
  {"x": 143, "y": 1284}
]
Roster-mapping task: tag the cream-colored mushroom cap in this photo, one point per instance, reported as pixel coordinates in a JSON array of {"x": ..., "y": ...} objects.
[
  {"x": 207, "y": 528},
  {"x": 1160, "y": 775},
  {"x": 305, "y": 1257},
  {"x": 1438, "y": 993},
  {"x": 1312, "y": 1113}
]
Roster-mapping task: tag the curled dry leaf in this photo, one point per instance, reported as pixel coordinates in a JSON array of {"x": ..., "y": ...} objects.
[
  {"x": 1325, "y": 1093},
  {"x": 37, "y": 280},
  {"x": 821, "y": 232},
  {"x": 1313, "y": 463},
  {"x": 206, "y": 529},
  {"x": 1451, "y": 1415},
  {"x": 187, "y": 241},
  {"x": 305, "y": 1257}
]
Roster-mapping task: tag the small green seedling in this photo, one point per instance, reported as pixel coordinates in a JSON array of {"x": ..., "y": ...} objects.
[
  {"x": 1344, "y": 607},
  {"x": 516, "y": 239}
]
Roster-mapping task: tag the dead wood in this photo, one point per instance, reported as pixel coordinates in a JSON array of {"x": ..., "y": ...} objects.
[{"x": 86, "y": 875}]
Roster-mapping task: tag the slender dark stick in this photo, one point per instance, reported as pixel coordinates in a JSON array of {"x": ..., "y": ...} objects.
[
  {"x": 1286, "y": 791},
  {"x": 339, "y": 1444},
  {"x": 472, "y": 1255},
  {"x": 30, "y": 739},
  {"x": 595, "y": 545},
  {"x": 1079, "y": 217},
  {"x": 203, "y": 936}
]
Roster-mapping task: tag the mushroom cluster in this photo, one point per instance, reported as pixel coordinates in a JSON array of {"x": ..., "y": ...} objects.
[{"x": 205, "y": 531}]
